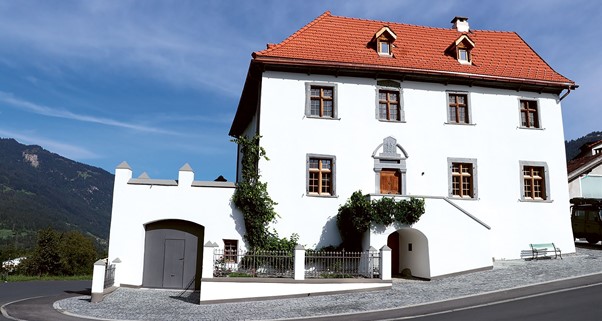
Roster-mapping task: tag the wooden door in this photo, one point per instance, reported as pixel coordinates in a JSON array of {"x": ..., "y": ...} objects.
[{"x": 390, "y": 181}]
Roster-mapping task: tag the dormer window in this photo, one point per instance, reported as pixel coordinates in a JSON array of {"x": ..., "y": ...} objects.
[
  {"x": 463, "y": 55},
  {"x": 383, "y": 40},
  {"x": 461, "y": 49},
  {"x": 384, "y": 48}
]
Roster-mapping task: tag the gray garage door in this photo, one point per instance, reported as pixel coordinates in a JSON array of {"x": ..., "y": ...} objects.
[{"x": 172, "y": 250}]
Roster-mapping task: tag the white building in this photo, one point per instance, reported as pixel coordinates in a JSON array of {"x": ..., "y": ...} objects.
[
  {"x": 585, "y": 172},
  {"x": 469, "y": 120}
]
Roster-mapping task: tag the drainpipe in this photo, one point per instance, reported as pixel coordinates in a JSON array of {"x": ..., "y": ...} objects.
[{"x": 568, "y": 91}]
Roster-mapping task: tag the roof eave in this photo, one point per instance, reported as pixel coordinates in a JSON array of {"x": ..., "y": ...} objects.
[
  {"x": 585, "y": 168},
  {"x": 248, "y": 100},
  {"x": 321, "y": 66}
]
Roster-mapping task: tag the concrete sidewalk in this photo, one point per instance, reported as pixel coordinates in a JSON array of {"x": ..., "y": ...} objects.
[{"x": 147, "y": 304}]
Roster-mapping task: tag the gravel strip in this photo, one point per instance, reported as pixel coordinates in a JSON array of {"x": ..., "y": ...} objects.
[{"x": 153, "y": 304}]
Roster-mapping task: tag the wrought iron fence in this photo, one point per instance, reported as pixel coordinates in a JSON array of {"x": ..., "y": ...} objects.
[
  {"x": 322, "y": 264},
  {"x": 109, "y": 275},
  {"x": 278, "y": 264}
]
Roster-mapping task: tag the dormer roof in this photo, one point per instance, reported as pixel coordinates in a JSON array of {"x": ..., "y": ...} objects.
[
  {"x": 386, "y": 32},
  {"x": 465, "y": 39}
]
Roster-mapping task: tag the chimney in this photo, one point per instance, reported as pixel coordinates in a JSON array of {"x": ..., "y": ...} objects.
[{"x": 460, "y": 24}]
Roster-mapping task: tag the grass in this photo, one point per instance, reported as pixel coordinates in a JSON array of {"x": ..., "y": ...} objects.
[
  {"x": 240, "y": 275},
  {"x": 22, "y": 278}
]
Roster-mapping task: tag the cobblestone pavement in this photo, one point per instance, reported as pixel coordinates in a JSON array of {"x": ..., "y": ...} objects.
[{"x": 152, "y": 304}]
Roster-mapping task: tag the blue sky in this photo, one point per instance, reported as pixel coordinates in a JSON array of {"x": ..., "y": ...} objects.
[{"x": 157, "y": 83}]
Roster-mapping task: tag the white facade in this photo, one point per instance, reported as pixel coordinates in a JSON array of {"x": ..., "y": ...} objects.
[
  {"x": 494, "y": 138},
  {"x": 454, "y": 235},
  {"x": 139, "y": 202}
]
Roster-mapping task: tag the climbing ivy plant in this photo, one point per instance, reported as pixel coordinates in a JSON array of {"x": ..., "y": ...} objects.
[
  {"x": 357, "y": 215},
  {"x": 252, "y": 198}
]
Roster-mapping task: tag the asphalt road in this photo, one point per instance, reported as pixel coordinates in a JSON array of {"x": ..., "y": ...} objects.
[
  {"x": 45, "y": 292},
  {"x": 571, "y": 299},
  {"x": 581, "y": 303}
]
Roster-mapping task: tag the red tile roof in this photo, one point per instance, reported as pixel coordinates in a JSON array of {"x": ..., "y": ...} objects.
[
  {"x": 591, "y": 145},
  {"x": 584, "y": 160},
  {"x": 341, "y": 41},
  {"x": 578, "y": 165}
]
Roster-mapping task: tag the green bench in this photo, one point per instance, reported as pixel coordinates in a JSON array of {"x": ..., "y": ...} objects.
[{"x": 542, "y": 250}]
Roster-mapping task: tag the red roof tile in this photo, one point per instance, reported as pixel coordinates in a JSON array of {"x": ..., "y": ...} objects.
[
  {"x": 576, "y": 164},
  {"x": 337, "y": 40}
]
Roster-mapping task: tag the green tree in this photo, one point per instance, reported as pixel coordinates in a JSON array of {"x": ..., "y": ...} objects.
[
  {"x": 77, "y": 253},
  {"x": 46, "y": 258},
  {"x": 68, "y": 253}
]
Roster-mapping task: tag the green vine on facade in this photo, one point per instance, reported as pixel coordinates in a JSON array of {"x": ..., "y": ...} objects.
[
  {"x": 252, "y": 199},
  {"x": 358, "y": 214}
]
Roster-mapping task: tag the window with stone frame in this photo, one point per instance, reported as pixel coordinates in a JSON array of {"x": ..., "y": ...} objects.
[
  {"x": 389, "y": 101},
  {"x": 389, "y": 106},
  {"x": 322, "y": 103},
  {"x": 458, "y": 111},
  {"x": 462, "y": 178},
  {"x": 534, "y": 183},
  {"x": 320, "y": 175},
  {"x": 529, "y": 114},
  {"x": 462, "y": 185}
]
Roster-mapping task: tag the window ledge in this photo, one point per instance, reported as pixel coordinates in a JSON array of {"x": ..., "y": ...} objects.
[
  {"x": 391, "y": 121},
  {"x": 530, "y": 200},
  {"x": 318, "y": 117},
  {"x": 460, "y": 124},
  {"x": 531, "y": 128},
  {"x": 321, "y": 196},
  {"x": 457, "y": 198}
]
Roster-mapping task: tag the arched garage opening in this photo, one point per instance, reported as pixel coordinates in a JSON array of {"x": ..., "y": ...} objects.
[
  {"x": 409, "y": 250},
  {"x": 173, "y": 254}
]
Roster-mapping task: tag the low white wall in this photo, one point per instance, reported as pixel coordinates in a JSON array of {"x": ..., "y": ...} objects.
[
  {"x": 457, "y": 243},
  {"x": 454, "y": 242},
  {"x": 136, "y": 203},
  {"x": 212, "y": 290}
]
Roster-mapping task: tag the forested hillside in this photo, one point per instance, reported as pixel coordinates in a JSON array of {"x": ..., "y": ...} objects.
[
  {"x": 40, "y": 189},
  {"x": 572, "y": 146}
]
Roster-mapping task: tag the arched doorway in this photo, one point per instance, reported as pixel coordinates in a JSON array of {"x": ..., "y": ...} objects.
[
  {"x": 173, "y": 254},
  {"x": 409, "y": 250}
]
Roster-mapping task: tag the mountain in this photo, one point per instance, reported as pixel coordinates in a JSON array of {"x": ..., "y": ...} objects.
[
  {"x": 572, "y": 146},
  {"x": 40, "y": 189}
]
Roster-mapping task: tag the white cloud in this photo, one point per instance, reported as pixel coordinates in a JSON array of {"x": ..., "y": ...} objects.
[
  {"x": 187, "y": 47},
  {"x": 61, "y": 113}
]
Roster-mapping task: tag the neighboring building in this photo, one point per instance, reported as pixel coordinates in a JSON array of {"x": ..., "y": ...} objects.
[
  {"x": 470, "y": 120},
  {"x": 585, "y": 172}
]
